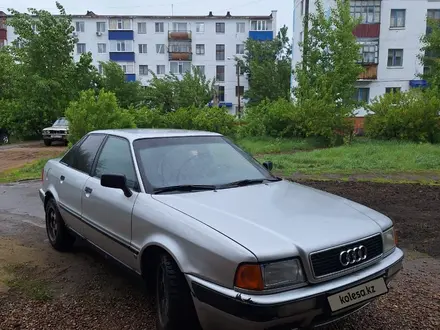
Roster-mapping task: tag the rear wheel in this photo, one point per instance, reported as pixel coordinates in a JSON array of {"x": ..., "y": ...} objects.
[
  {"x": 175, "y": 307},
  {"x": 59, "y": 236},
  {"x": 47, "y": 143}
]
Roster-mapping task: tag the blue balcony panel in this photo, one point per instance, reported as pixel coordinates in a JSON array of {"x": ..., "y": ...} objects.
[
  {"x": 261, "y": 35},
  {"x": 130, "y": 77},
  {"x": 122, "y": 56},
  {"x": 221, "y": 104},
  {"x": 121, "y": 35},
  {"x": 418, "y": 83}
]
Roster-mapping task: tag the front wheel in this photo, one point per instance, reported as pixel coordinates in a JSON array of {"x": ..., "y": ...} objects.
[
  {"x": 59, "y": 236},
  {"x": 4, "y": 139},
  {"x": 175, "y": 307},
  {"x": 47, "y": 143}
]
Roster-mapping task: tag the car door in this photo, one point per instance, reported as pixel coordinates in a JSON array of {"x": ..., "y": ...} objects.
[
  {"x": 108, "y": 211},
  {"x": 71, "y": 177}
]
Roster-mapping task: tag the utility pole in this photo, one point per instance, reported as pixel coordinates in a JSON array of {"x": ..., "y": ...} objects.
[
  {"x": 238, "y": 92},
  {"x": 306, "y": 33}
]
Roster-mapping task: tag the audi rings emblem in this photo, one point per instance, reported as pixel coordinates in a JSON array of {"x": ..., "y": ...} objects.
[{"x": 353, "y": 256}]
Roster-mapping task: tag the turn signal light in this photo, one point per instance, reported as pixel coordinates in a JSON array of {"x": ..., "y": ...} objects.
[
  {"x": 249, "y": 277},
  {"x": 395, "y": 237}
]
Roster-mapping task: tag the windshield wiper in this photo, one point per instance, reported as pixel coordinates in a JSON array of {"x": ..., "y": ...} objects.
[
  {"x": 186, "y": 188},
  {"x": 247, "y": 182}
]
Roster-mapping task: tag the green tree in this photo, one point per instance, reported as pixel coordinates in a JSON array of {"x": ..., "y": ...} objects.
[
  {"x": 128, "y": 93},
  {"x": 327, "y": 75},
  {"x": 430, "y": 53},
  {"x": 268, "y": 66},
  {"x": 171, "y": 92},
  {"x": 91, "y": 112},
  {"x": 47, "y": 78}
]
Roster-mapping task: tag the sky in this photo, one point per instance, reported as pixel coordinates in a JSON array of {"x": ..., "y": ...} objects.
[{"x": 164, "y": 7}]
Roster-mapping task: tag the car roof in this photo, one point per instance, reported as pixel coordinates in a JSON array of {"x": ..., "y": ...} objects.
[{"x": 150, "y": 133}]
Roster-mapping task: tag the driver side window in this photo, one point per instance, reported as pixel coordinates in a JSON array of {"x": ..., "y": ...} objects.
[{"x": 116, "y": 158}]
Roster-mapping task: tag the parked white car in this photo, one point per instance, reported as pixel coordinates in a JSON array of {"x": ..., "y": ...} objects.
[{"x": 59, "y": 131}]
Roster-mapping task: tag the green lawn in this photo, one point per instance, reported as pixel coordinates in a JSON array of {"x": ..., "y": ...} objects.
[
  {"x": 363, "y": 156},
  {"x": 27, "y": 172},
  {"x": 258, "y": 146}
]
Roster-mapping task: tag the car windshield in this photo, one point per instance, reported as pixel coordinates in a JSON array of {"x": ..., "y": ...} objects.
[
  {"x": 61, "y": 122},
  {"x": 198, "y": 160}
]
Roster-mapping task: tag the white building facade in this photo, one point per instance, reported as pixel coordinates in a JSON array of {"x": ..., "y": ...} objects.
[
  {"x": 389, "y": 33},
  {"x": 173, "y": 44}
]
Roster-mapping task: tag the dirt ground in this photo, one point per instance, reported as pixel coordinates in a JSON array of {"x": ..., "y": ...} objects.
[
  {"x": 44, "y": 289},
  {"x": 16, "y": 156}
]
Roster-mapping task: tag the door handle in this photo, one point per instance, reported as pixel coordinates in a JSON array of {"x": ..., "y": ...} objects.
[
  {"x": 62, "y": 177},
  {"x": 88, "y": 190}
]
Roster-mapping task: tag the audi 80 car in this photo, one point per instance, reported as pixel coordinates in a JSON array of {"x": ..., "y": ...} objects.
[
  {"x": 58, "y": 132},
  {"x": 222, "y": 242}
]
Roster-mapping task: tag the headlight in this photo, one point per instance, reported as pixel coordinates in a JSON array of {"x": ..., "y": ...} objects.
[
  {"x": 259, "y": 277},
  {"x": 389, "y": 241}
]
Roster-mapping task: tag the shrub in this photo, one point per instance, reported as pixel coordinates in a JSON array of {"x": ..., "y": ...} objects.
[
  {"x": 182, "y": 118},
  {"x": 91, "y": 112},
  {"x": 412, "y": 115},
  {"x": 148, "y": 118},
  {"x": 276, "y": 119}
]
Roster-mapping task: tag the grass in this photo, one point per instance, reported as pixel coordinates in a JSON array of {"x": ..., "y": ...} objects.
[
  {"x": 22, "y": 279},
  {"x": 27, "y": 172},
  {"x": 361, "y": 157},
  {"x": 259, "y": 146}
]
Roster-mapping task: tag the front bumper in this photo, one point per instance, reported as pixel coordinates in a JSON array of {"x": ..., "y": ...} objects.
[
  {"x": 223, "y": 308},
  {"x": 42, "y": 195}
]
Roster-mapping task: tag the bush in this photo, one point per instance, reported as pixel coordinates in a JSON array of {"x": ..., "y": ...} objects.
[
  {"x": 148, "y": 118},
  {"x": 92, "y": 112},
  {"x": 412, "y": 115},
  {"x": 276, "y": 119}
]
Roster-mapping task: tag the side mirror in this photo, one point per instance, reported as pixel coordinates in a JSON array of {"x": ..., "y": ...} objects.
[
  {"x": 268, "y": 165},
  {"x": 116, "y": 181}
]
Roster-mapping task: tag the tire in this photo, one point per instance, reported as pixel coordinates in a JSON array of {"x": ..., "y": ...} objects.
[
  {"x": 59, "y": 236},
  {"x": 47, "y": 143},
  {"x": 4, "y": 139},
  {"x": 175, "y": 307}
]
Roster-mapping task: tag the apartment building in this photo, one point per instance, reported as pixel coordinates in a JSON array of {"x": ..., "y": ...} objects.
[
  {"x": 173, "y": 44},
  {"x": 389, "y": 34}
]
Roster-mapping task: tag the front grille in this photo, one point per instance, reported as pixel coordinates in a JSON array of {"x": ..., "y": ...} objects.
[
  {"x": 56, "y": 132},
  {"x": 327, "y": 262}
]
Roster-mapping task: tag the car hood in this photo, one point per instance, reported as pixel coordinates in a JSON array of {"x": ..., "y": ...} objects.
[
  {"x": 56, "y": 128},
  {"x": 280, "y": 218}
]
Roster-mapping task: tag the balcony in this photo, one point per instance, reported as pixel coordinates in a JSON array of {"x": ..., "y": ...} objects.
[
  {"x": 367, "y": 30},
  {"x": 180, "y": 52},
  {"x": 370, "y": 72},
  {"x": 179, "y": 35}
]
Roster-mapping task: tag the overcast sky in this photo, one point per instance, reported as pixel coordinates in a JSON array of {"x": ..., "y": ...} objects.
[{"x": 163, "y": 7}]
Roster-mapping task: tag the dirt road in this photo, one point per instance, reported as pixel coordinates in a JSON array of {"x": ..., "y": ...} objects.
[
  {"x": 16, "y": 155},
  {"x": 43, "y": 289}
]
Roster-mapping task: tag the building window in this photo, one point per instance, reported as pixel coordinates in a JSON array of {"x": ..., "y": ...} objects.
[
  {"x": 395, "y": 57},
  {"x": 221, "y": 93},
  {"x": 302, "y": 7},
  {"x": 100, "y": 27},
  {"x": 143, "y": 70},
  {"x": 200, "y": 49},
  {"x": 220, "y": 52},
  {"x": 397, "y": 19},
  {"x": 200, "y": 27},
  {"x": 180, "y": 67},
  {"x": 220, "y": 73},
  {"x": 239, "y": 49},
  {"x": 158, "y": 27},
  {"x": 389, "y": 90},
  {"x": 239, "y": 89},
  {"x": 160, "y": 69},
  {"x": 362, "y": 95},
  {"x": 238, "y": 70},
  {"x": 79, "y": 27},
  {"x": 142, "y": 48},
  {"x": 180, "y": 27},
  {"x": 121, "y": 45},
  {"x": 102, "y": 48},
  {"x": 160, "y": 49},
  {"x": 120, "y": 24},
  {"x": 367, "y": 11},
  {"x": 369, "y": 54},
  {"x": 127, "y": 68},
  {"x": 100, "y": 70},
  {"x": 201, "y": 69},
  {"x": 426, "y": 70},
  {"x": 142, "y": 28},
  {"x": 80, "y": 48},
  {"x": 219, "y": 27},
  {"x": 434, "y": 13},
  {"x": 182, "y": 47},
  {"x": 261, "y": 25},
  {"x": 240, "y": 27}
]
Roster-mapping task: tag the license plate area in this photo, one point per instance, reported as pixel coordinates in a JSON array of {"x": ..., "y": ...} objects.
[
  {"x": 357, "y": 294},
  {"x": 56, "y": 136}
]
